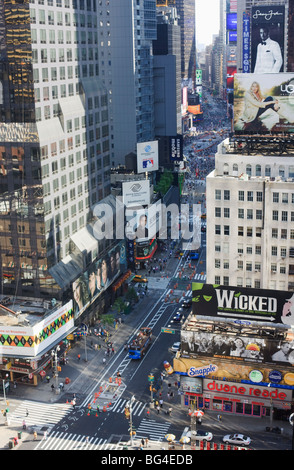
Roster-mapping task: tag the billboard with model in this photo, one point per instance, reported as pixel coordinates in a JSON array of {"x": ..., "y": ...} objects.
[
  {"x": 263, "y": 103},
  {"x": 98, "y": 278},
  {"x": 267, "y": 38}
]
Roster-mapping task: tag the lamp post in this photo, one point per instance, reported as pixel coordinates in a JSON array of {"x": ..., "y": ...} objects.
[
  {"x": 130, "y": 407},
  {"x": 55, "y": 365}
]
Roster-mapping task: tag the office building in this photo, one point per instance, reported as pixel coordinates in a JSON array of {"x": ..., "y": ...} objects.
[
  {"x": 54, "y": 137},
  {"x": 250, "y": 220}
]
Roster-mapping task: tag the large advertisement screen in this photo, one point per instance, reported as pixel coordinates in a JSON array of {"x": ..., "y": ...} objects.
[
  {"x": 255, "y": 305},
  {"x": 267, "y": 38},
  {"x": 263, "y": 103},
  {"x": 98, "y": 278}
]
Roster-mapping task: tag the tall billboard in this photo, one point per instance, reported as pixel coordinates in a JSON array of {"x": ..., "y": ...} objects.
[
  {"x": 263, "y": 103},
  {"x": 136, "y": 193},
  {"x": 147, "y": 156},
  {"x": 267, "y": 38}
]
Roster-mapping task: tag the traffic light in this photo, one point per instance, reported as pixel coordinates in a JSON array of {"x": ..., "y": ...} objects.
[{"x": 127, "y": 413}]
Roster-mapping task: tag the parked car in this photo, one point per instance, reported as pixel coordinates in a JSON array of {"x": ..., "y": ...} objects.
[
  {"x": 176, "y": 347},
  {"x": 237, "y": 439}
]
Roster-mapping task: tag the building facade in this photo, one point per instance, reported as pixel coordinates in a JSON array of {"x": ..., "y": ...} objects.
[
  {"x": 54, "y": 136},
  {"x": 250, "y": 220}
]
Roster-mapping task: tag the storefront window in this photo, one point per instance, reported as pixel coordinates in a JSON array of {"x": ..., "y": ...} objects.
[
  {"x": 239, "y": 408},
  {"x": 228, "y": 406},
  {"x": 256, "y": 410},
  {"x": 217, "y": 405}
]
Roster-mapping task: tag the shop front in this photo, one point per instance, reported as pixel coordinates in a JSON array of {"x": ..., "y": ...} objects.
[{"x": 236, "y": 398}]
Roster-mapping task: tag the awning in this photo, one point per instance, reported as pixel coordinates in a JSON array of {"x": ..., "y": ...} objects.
[{"x": 85, "y": 241}]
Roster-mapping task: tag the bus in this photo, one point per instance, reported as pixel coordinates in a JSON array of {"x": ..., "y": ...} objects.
[{"x": 139, "y": 345}]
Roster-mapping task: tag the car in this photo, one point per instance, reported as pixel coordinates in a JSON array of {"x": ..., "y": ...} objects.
[
  {"x": 237, "y": 439},
  {"x": 194, "y": 255},
  {"x": 186, "y": 304},
  {"x": 138, "y": 278},
  {"x": 201, "y": 435},
  {"x": 176, "y": 347},
  {"x": 178, "y": 317}
]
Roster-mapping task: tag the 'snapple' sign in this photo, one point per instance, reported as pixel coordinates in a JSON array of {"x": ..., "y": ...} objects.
[{"x": 200, "y": 371}]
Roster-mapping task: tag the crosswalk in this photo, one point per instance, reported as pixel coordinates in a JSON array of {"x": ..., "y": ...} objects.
[
  {"x": 119, "y": 406},
  {"x": 153, "y": 430},
  {"x": 58, "y": 440},
  {"x": 39, "y": 414}
]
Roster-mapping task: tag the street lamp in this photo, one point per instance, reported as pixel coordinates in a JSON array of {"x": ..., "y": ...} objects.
[
  {"x": 129, "y": 406},
  {"x": 55, "y": 365}
]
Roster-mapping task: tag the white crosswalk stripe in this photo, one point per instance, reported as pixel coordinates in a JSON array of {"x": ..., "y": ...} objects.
[
  {"x": 119, "y": 406},
  {"x": 200, "y": 277},
  {"x": 39, "y": 414},
  {"x": 69, "y": 441},
  {"x": 151, "y": 429}
]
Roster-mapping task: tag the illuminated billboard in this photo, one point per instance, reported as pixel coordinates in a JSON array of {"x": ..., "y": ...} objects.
[
  {"x": 263, "y": 103},
  {"x": 232, "y": 21},
  {"x": 98, "y": 278},
  {"x": 255, "y": 305},
  {"x": 267, "y": 38}
]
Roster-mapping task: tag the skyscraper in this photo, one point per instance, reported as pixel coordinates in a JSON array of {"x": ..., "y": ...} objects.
[
  {"x": 54, "y": 136},
  {"x": 186, "y": 12}
]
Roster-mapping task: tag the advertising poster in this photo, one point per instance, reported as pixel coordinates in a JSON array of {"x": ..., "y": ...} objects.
[
  {"x": 263, "y": 103},
  {"x": 267, "y": 38},
  {"x": 147, "y": 156},
  {"x": 98, "y": 277},
  {"x": 136, "y": 193},
  {"x": 239, "y": 347},
  {"x": 176, "y": 148},
  {"x": 246, "y": 42},
  {"x": 260, "y": 305}
]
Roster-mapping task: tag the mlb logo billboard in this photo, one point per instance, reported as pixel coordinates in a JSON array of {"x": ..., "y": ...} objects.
[{"x": 147, "y": 156}]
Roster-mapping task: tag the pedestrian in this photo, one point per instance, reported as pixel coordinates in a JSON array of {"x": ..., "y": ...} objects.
[
  {"x": 24, "y": 426},
  {"x": 148, "y": 413},
  {"x": 52, "y": 387},
  {"x": 73, "y": 404},
  {"x": 146, "y": 442},
  {"x": 142, "y": 442},
  {"x": 27, "y": 412},
  {"x": 87, "y": 440},
  {"x": 170, "y": 411},
  {"x": 158, "y": 409},
  {"x": 79, "y": 357},
  {"x": 35, "y": 435},
  {"x": 161, "y": 402},
  {"x": 45, "y": 435}
]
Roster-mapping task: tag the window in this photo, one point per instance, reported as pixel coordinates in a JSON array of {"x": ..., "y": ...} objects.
[
  {"x": 241, "y": 196},
  {"x": 258, "y": 214},
  {"x": 217, "y": 230},
  {"x": 249, "y": 232},
  {"x": 250, "y": 214},
  {"x": 250, "y": 196},
  {"x": 258, "y": 250},
  {"x": 217, "y": 263},
  {"x": 283, "y": 252},
  {"x": 275, "y": 197},
  {"x": 274, "y": 251},
  {"x": 226, "y": 195},
  {"x": 226, "y": 230},
  {"x": 285, "y": 198},
  {"x": 248, "y": 266},
  {"x": 284, "y": 234},
  {"x": 248, "y": 170},
  {"x": 274, "y": 233},
  {"x": 258, "y": 170},
  {"x": 275, "y": 215},
  {"x": 240, "y": 231},
  {"x": 284, "y": 216},
  {"x": 241, "y": 213},
  {"x": 240, "y": 264},
  {"x": 259, "y": 196},
  {"x": 227, "y": 212}
]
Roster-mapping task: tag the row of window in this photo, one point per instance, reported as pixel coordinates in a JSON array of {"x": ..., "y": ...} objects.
[
  {"x": 257, "y": 170},
  {"x": 250, "y": 267},
  {"x": 254, "y": 196},
  {"x": 251, "y": 231},
  {"x": 282, "y": 216},
  {"x": 249, "y": 282},
  {"x": 89, "y": 5}
]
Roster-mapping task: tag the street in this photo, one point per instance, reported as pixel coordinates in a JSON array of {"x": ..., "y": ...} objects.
[{"x": 102, "y": 391}]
